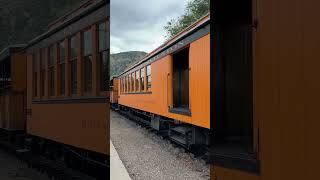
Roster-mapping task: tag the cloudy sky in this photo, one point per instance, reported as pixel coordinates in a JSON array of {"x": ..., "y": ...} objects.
[{"x": 138, "y": 25}]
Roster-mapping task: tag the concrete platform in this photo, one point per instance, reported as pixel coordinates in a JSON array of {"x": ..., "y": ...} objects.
[{"x": 117, "y": 169}]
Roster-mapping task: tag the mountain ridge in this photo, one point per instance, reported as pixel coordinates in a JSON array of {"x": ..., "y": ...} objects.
[{"x": 121, "y": 61}]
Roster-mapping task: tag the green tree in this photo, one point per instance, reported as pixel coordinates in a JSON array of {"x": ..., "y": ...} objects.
[{"x": 194, "y": 10}]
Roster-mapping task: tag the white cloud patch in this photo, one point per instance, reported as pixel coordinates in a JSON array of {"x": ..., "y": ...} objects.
[{"x": 139, "y": 25}]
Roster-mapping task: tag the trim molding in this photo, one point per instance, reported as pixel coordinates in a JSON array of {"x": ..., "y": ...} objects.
[
  {"x": 148, "y": 92},
  {"x": 73, "y": 100},
  {"x": 185, "y": 112},
  {"x": 182, "y": 42}
]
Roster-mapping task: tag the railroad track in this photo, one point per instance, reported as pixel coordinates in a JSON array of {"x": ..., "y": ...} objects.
[
  {"x": 53, "y": 168},
  {"x": 146, "y": 125}
]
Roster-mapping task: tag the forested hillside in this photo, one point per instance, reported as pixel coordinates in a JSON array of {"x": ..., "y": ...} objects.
[
  {"x": 22, "y": 20},
  {"x": 120, "y": 61}
]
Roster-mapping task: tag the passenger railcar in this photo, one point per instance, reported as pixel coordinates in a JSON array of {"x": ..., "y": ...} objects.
[
  {"x": 171, "y": 86},
  {"x": 266, "y": 90},
  {"x": 114, "y": 84},
  {"x": 67, "y": 102},
  {"x": 57, "y": 89},
  {"x": 13, "y": 89}
]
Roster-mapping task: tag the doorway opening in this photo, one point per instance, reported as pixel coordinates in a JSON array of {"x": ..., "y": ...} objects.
[
  {"x": 233, "y": 124},
  {"x": 180, "y": 81}
]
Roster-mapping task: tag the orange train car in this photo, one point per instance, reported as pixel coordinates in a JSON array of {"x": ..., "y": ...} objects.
[
  {"x": 114, "y": 84},
  {"x": 13, "y": 88},
  {"x": 266, "y": 67},
  {"x": 172, "y": 86},
  {"x": 67, "y": 96}
]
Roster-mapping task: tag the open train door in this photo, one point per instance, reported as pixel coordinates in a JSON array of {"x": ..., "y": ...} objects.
[
  {"x": 180, "y": 81},
  {"x": 233, "y": 123}
]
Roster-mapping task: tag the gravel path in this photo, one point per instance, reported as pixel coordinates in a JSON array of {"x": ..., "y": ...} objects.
[
  {"x": 13, "y": 169},
  {"x": 149, "y": 157}
]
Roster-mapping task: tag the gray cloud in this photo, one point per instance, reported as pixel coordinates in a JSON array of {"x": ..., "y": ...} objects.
[{"x": 138, "y": 24}]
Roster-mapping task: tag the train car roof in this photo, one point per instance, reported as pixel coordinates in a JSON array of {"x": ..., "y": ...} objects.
[
  {"x": 6, "y": 52},
  {"x": 205, "y": 20},
  {"x": 71, "y": 17}
]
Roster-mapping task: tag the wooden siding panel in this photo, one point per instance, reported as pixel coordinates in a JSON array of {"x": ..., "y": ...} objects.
[
  {"x": 286, "y": 27},
  {"x": 200, "y": 81},
  {"x": 286, "y": 90},
  {"x": 286, "y": 86},
  {"x": 219, "y": 173},
  {"x": 65, "y": 124},
  {"x": 18, "y": 72}
]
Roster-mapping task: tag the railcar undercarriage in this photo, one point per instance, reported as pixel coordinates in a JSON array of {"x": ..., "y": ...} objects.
[{"x": 192, "y": 138}]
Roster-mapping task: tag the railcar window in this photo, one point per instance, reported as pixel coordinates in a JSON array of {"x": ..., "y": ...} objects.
[
  {"x": 35, "y": 78},
  {"x": 122, "y": 85},
  {"x": 149, "y": 78},
  {"x": 120, "y": 81},
  {"x": 137, "y": 80},
  {"x": 87, "y": 45},
  {"x": 132, "y": 82},
  {"x": 125, "y": 83},
  {"x": 51, "y": 70},
  {"x": 129, "y": 83},
  {"x": 62, "y": 67},
  {"x": 104, "y": 55},
  {"x": 142, "y": 79},
  {"x": 42, "y": 71},
  {"x": 73, "y": 63}
]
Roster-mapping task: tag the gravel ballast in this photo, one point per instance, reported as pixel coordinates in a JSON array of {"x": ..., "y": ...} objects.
[
  {"x": 149, "y": 157},
  {"x": 12, "y": 168}
]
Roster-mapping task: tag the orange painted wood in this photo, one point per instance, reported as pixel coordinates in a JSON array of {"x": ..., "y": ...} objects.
[
  {"x": 18, "y": 72},
  {"x": 66, "y": 124}
]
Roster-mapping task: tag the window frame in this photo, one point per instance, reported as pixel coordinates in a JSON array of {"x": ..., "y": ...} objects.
[
  {"x": 35, "y": 65},
  {"x": 132, "y": 82},
  {"x": 87, "y": 76},
  {"x": 129, "y": 83},
  {"x": 147, "y": 77},
  {"x": 137, "y": 80},
  {"x": 142, "y": 79},
  {"x": 43, "y": 69},
  {"x": 60, "y": 65},
  {"x": 104, "y": 84},
  {"x": 51, "y": 70},
  {"x": 73, "y": 60}
]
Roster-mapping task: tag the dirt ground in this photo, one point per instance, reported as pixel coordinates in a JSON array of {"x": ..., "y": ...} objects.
[
  {"x": 12, "y": 168},
  {"x": 147, "y": 156}
]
